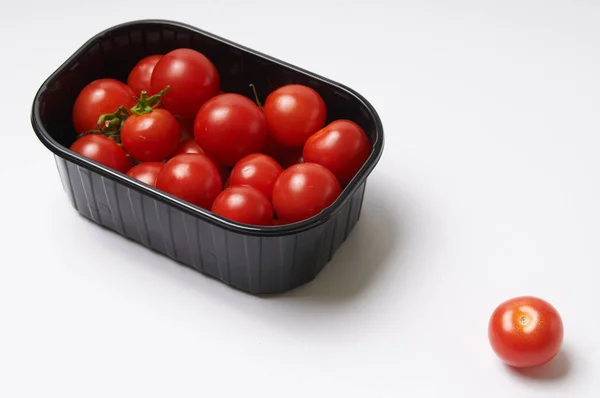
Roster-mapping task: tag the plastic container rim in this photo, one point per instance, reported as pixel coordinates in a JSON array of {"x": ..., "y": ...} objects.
[{"x": 280, "y": 230}]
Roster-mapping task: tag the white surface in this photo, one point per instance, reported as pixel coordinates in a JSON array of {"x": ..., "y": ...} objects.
[{"x": 488, "y": 188}]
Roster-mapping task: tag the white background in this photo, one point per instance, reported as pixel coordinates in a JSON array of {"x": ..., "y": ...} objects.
[{"x": 488, "y": 188}]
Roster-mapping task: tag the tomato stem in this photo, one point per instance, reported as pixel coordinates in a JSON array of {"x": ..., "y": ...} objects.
[
  {"x": 255, "y": 95},
  {"x": 147, "y": 104}
]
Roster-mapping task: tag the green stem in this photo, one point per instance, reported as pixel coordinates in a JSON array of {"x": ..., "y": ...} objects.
[
  {"x": 255, "y": 95},
  {"x": 147, "y": 104}
]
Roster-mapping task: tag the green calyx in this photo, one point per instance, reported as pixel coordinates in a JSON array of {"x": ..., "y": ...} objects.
[
  {"x": 110, "y": 124},
  {"x": 146, "y": 104}
]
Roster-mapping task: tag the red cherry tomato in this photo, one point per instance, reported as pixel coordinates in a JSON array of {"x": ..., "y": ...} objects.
[
  {"x": 103, "y": 150},
  {"x": 303, "y": 191},
  {"x": 294, "y": 112},
  {"x": 342, "y": 146},
  {"x": 244, "y": 204},
  {"x": 193, "y": 79},
  {"x": 100, "y": 97},
  {"x": 258, "y": 171},
  {"x": 151, "y": 137},
  {"x": 229, "y": 127},
  {"x": 191, "y": 146},
  {"x": 146, "y": 172},
  {"x": 526, "y": 332},
  {"x": 286, "y": 157},
  {"x": 140, "y": 77},
  {"x": 192, "y": 177},
  {"x": 188, "y": 146}
]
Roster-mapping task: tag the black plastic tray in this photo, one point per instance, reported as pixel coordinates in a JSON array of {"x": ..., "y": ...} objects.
[{"x": 254, "y": 259}]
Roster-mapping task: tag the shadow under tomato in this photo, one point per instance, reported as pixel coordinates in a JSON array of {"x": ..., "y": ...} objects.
[{"x": 558, "y": 368}]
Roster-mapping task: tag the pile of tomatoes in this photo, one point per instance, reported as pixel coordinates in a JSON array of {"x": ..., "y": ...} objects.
[{"x": 170, "y": 126}]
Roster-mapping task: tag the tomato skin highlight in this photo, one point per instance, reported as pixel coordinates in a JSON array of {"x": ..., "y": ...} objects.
[
  {"x": 258, "y": 171},
  {"x": 192, "y": 77},
  {"x": 146, "y": 172},
  {"x": 525, "y": 332},
  {"x": 229, "y": 127},
  {"x": 151, "y": 137},
  {"x": 342, "y": 146},
  {"x": 294, "y": 112},
  {"x": 100, "y": 97},
  {"x": 140, "y": 77},
  {"x": 244, "y": 204},
  {"x": 192, "y": 177},
  {"x": 304, "y": 190},
  {"x": 103, "y": 150}
]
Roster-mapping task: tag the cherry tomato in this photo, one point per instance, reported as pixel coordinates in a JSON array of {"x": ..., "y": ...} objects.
[
  {"x": 285, "y": 156},
  {"x": 151, "y": 137},
  {"x": 192, "y": 177},
  {"x": 103, "y": 150},
  {"x": 244, "y": 204},
  {"x": 229, "y": 127},
  {"x": 100, "y": 97},
  {"x": 303, "y": 191},
  {"x": 146, "y": 172},
  {"x": 191, "y": 146},
  {"x": 294, "y": 112},
  {"x": 140, "y": 77},
  {"x": 258, "y": 171},
  {"x": 193, "y": 79},
  {"x": 188, "y": 146},
  {"x": 525, "y": 332},
  {"x": 342, "y": 146}
]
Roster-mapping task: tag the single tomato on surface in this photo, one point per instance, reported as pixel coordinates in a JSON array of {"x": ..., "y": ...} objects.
[
  {"x": 525, "y": 332},
  {"x": 258, "y": 171},
  {"x": 303, "y": 191},
  {"x": 294, "y": 112},
  {"x": 146, "y": 172},
  {"x": 140, "y": 77},
  {"x": 244, "y": 204},
  {"x": 103, "y": 150},
  {"x": 192, "y": 177},
  {"x": 342, "y": 146},
  {"x": 100, "y": 97},
  {"x": 229, "y": 127},
  {"x": 193, "y": 79},
  {"x": 150, "y": 135}
]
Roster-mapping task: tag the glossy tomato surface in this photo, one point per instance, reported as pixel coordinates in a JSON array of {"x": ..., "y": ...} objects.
[
  {"x": 192, "y": 77},
  {"x": 342, "y": 146},
  {"x": 303, "y": 191},
  {"x": 525, "y": 332},
  {"x": 103, "y": 150},
  {"x": 140, "y": 77},
  {"x": 146, "y": 172},
  {"x": 151, "y": 137},
  {"x": 100, "y": 97},
  {"x": 294, "y": 112},
  {"x": 229, "y": 127},
  {"x": 244, "y": 204},
  {"x": 258, "y": 171},
  {"x": 192, "y": 177}
]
